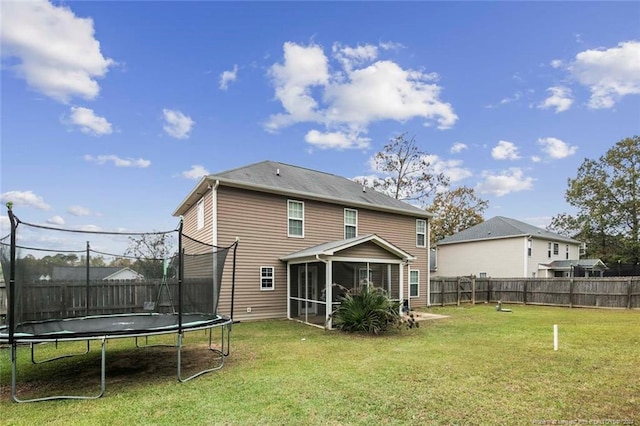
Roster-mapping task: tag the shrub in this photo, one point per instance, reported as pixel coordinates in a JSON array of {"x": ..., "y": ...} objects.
[{"x": 369, "y": 311}]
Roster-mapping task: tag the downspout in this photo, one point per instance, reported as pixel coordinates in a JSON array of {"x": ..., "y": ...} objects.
[{"x": 214, "y": 213}]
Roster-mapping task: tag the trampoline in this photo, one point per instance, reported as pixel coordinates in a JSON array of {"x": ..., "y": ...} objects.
[{"x": 174, "y": 296}]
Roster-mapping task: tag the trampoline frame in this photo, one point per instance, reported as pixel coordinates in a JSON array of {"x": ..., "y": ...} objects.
[{"x": 224, "y": 323}]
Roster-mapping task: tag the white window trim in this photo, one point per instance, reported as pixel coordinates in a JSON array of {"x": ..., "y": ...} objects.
[
  {"x": 200, "y": 214},
  {"x": 295, "y": 218},
  {"x": 421, "y": 233},
  {"x": 417, "y": 284},
  {"x": 348, "y": 224},
  {"x": 272, "y": 278}
]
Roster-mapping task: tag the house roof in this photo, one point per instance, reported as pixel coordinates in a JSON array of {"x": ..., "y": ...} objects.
[
  {"x": 581, "y": 263},
  {"x": 79, "y": 273},
  {"x": 502, "y": 227},
  {"x": 285, "y": 179},
  {"x": 332, "y": 247}
]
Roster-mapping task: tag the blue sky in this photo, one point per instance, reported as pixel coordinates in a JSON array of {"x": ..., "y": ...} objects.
[{"x": 112, "y": 111}]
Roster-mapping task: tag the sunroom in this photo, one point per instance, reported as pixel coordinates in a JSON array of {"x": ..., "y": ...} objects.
[{"x": 318, "y": 277}]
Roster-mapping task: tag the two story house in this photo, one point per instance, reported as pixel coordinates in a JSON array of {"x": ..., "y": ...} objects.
[
  {"x": 504, "y": 247},
  {"x": 306, "y": 237}
]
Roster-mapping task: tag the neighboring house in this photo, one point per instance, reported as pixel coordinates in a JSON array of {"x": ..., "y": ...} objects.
[
  {"x": 503, "y": 247},
  {"x": 305, "y": 236},
  {"x": 96, "y": 273}
]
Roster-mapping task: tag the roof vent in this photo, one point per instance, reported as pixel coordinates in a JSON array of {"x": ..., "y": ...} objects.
[
  {"x": 278, "y": 172},
  {"x": 364, "y": 188}
]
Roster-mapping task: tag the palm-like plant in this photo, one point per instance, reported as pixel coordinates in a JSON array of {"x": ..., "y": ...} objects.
[{"x": 369, "y": 311}]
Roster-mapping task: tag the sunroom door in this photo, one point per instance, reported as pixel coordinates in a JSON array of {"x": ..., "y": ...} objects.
[{"x": 308, "y": 289}]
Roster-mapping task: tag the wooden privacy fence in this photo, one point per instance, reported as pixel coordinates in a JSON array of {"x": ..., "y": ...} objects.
[
  {"x": 68, "y": 299},
  {"x": 611, "y": 292}
]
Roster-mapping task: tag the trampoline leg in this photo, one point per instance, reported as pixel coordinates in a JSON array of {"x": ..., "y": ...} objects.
[
  {"x": 220, "y": 354},
  {"x": 33, "y": 359},
  {"x": 14, "y": 373}
]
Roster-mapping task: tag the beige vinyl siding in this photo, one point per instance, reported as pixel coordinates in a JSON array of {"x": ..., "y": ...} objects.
[
  {"x": 502, "y": 257},
  {"x": 190, "y": 220},
  {"x": 367, "y": 250},
  {"x": 259, "y": 220}
]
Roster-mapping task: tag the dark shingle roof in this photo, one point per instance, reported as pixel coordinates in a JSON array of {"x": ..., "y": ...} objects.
[
  {"x": 502, "y": 227},
  {"x": 280, "y": 178},
  {"x": 79, "y": 273},
  {"x": 582, "y": 263}
]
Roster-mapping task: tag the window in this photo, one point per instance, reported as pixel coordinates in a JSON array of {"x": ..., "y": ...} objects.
[
  {"x": 350, "y": 223},
  {"x": 296, "y": 218},
  {"x": 414, "y": 283},
  {"x": 556, "y": 248},
  {"x": 200, "y": 208},
  {"x": 267, "y": 277},
  {"x": 549, "y": 250},
  {"x": 482, "y": 275},
  {"x": 421, "y": 233},
  {"x": 529, "y": 248},
  {"x": 363, "y": 280},
  {"x": 566, "y": 252}
]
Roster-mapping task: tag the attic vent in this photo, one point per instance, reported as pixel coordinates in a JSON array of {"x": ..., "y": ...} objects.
[
  {"x": 278, "y": 172},
  {"x": 364, "y": 188}
]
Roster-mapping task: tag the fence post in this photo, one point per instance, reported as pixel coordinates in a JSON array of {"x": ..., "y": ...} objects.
[
  {"x": 473, "y": 290},
  {"x": 571, "y": 292},
  {"x": 524, "y": 296},
  {"x": 442, "y": 291},
  {"x": 629, "y": 293},
  {"x": 459, "y": 289},
  {"x": 489, "y": 290}
]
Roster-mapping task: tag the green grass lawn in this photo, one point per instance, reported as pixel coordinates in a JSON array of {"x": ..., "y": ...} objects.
[{"x": 477, "y": 366}]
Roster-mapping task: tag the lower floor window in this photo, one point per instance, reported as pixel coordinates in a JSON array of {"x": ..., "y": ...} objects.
[
  {"x": 267, "y": 277},
  {"x": 414, "y": 283}
]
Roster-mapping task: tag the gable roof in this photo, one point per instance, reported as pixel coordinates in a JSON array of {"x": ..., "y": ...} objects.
[
  {"x": 332, "y": 247},
  {"x": 285, "y": 179},
  {"x": 503, "y": 227},
  {"x": 79, "y": 273}
]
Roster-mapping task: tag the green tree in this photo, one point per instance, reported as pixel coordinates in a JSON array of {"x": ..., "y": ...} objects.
[
  {"x": 455, "y": 211},
  {"x": 606, "y": 194},
  {"x": 407, "y": 172}
]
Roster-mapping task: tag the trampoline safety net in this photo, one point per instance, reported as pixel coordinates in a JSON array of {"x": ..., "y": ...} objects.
[{"x": 59, "y": 274}]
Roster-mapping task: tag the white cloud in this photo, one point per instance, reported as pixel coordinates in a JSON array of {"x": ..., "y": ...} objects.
[
  {"x": 24, "y": 198},
  {"x": 450, "y": 168},
  {"x": 360, "y": 92},
  {"x": 515, "y": 97},
  {"x": 196, "y": 172},
  {"x": 536, "y": 159},
  {"x": 505, "y": 151},
  {"x": 228, "y": 77},
  {"x": 458, "y": 147},
  {"x": 55, "y": 220},
  {"x": 79, "y": 211},
  {"x": 89, "y": 122},
  {"x": 117, "y": 161},
  {"x": 560, "y": 99},
  {"x": 556, "y": 149},
  {"x": 177, "y": 124},
  {"x": 56, "y": 50},
  {"x": 609, "y": 74},
  {"x": 556, "y": 63},
  {"x": 336, "y": 140},
  {"x": 512, "y": 180}
]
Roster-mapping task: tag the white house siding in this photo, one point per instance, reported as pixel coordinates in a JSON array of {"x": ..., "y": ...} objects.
[{"x": 495, "y": 258}]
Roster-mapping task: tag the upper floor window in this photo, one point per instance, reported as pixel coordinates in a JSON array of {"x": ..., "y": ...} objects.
[
  {"x": 414, "y": 283},
  {"x": 200, "y": 207},
  {"x": 350, "y": 223},
  {"x": 295, "y": 214},
  {"x": 529, "y": 248},
  {"x": 556, "y": 248},
  {"x": 267, "y": 278},
  {"x": 421, "y": 233},
  {"x": 566, "y": 251},
  {"x": 549, "y": 250}
]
